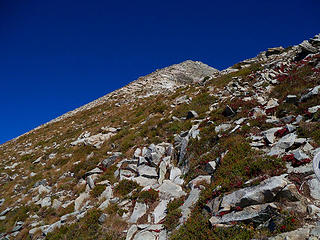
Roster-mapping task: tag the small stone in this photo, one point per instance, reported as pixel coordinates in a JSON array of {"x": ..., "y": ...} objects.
[
  {"x": 78, "y": 202},
  {"x": 272, "y": 103},
  {"x": 56, "y": 204},
  {"x": 313, "y": 210},
  {"x": 240, "y": 121},
  {"x": 255, "y": 213},
  {"x": 192, "y": 114},
  {"x": 104, "y": 205},
  {"x": 107, "y": 193},
  {"x": 314, "y": 109},
  {"x": 137, "y": 153},
  {"x": 262, "y": 193},
  {"x": 291, "y": 99},
  {"x": 102, "y": 218},
  {"x": 175, "y": 172},
  {"x": 90, "y": 182},
  {"x": 162, "y": 171},
  {"x": 46, "y": 202},
  {"x": 228, "y": 112},
  {"x": 198, "y": 180},
  {"x": 210, "y": 167},
  {"x": 299, "y": 155},
  {"x": 223, "y": 127},
  {"x": 314, "y": 186}
]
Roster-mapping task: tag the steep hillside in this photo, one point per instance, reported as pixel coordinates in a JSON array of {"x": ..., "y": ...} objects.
[{"x": 186, "y": 152}]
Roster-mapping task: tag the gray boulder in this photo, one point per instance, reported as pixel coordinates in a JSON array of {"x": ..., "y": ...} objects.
[
  {"x": 257, "y": 214},
  {"x": 147, "y": 171},
  {"x": 265, "y": 192},
  {"x": 110, "y": 160}
]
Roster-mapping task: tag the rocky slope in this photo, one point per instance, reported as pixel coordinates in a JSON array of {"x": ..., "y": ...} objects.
[{"x": 186, "y": 152}]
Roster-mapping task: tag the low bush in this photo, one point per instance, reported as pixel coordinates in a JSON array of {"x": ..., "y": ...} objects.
[
  {"x": 148, "y": 196},
  {"x": 124, "y": 187},
  {"x": 97, "y": 190}
]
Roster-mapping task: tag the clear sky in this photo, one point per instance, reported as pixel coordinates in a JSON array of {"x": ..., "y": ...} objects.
[{"x": 60, "y": 54}]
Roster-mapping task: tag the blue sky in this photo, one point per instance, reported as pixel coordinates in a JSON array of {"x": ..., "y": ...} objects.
[{"x": 58, "y": 55}]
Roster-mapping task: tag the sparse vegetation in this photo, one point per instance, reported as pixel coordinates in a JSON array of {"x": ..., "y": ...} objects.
[
  {"x": 97, "y": 190},
  {"x": 125, "y": 187}
]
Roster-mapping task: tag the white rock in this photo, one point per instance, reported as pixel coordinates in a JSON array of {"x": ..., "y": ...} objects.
[
  {"x": 272, "y": 103},
  {"x": 43, "y": 189},
  {"x": 286, "y": 141},
  {"x": 314, "y": 186},
  {"x": 137, "y": 153},
  {"x": 156, "y": 158},
  {"x": 79, "y": 200},
  {"x": 169, "y": 189},
  {"x": 163, "y": 235},
  {"x": 46, "y": 202},
  {"x": 56, "y": 204},
  {"x": 132, "y": 230},
  {"x": 191, "y": 200},
  {"x": 307, "y": 147},
  {"x": 144, "y": 235},
  {"x": 159, "y": 212},
  {"x": 104, "y": 205},
  {"x": 49, "y": 228},
  {"x": 269, "y": 134},
  {"x": 202, "y": 178},
  {"x": 175, "y": 172},
  {"x": 240, "y": 121},
  {"x": 223, "y": 127},
  {"x": 211, "y": 167},
  {"x": 162, "y": 171},
  {"x": 139, "y": 210},
  {"x": 275, "y": 151},
  {"x": 313, "y": 210},
  {"x": 143, "y": 181},
  {"x": 90, "y": 182},
  {"x": 314, "y": 109},
  {"x": 299, "y": 155},
  {"x": 107, "y": 193},
  {"x": 147, "y": 171}
]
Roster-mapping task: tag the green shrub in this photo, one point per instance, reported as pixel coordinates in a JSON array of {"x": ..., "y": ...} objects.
[
  {"x": 311, "y": 129},
  {"x": 197, "y": 227},
  {"x": 97, "y": 190},
  {"x": 174, "y": 204},
  {"x": 173, "y": 213},
  {"x": 87, "y": 228},
  {"x": 148, "y": 196},
  {"x": 124, "y": 187},
  {"x": 108, "y": 174},
  {"x": 172, "y": 219}
]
